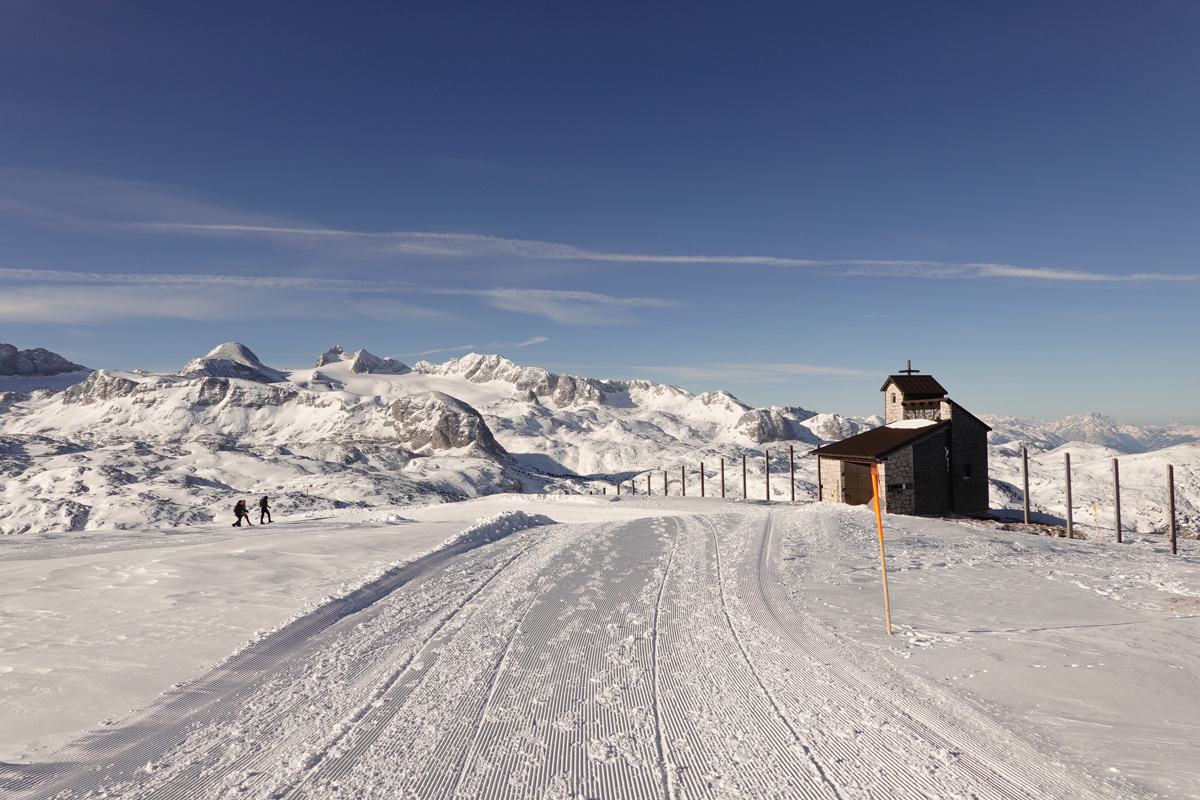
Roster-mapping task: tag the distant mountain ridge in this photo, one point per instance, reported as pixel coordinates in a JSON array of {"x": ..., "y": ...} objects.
[
  {"x": 1092, "y": 428},
  {"x": 133, "y": 448}
]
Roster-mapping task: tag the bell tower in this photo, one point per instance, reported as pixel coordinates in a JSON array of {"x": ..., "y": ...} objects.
[{"x": 910, "y": 395}]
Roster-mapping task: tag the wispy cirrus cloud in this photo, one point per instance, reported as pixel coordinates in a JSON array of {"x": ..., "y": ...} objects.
[
  {"x": 566, "y": 307},
  {"x": 76, "y": 304},
  {"x": 135, "y": 207},
  {"x": 159, "y": 295},
  {"x": 1008, "y": 271},
  {"x": 489, "y": 347},
  {"x": 198, "y": 279},
  {"x": 462, "y": 245},
  {"x": 91, "y": 201},
  {"x": 199, "y": 301}
]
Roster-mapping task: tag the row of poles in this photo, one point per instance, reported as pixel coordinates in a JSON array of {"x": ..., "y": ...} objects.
[
  {"x": 1173, "y": 528},
  {"x": 1116, "y": 472},
  {"x": 745, "y": 496}
]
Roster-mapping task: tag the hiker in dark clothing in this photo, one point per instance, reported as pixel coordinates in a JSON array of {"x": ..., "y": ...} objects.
[
  {"x": 264, "y": 511},
  {"x": 241, "y": 511}
]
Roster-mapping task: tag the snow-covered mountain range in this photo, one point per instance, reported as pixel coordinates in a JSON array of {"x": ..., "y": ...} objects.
[
  {"x": 117, "y": 449},
  {"x": 1093, "y": 428}
]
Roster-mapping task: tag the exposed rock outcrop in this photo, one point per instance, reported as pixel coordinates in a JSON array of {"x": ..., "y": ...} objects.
[
  {"x": 34, "y": 363},
  {"x": 433, "y": 421},
  {"x": 100, "y": 386},
  {"x": 834, "y": 427},
  {"x": 765, "y": 425}
]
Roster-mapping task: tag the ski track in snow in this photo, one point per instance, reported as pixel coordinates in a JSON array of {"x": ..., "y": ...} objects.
[{"x": 654, "y": 658}]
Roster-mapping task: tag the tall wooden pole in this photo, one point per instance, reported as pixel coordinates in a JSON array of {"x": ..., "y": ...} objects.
[
  {"x": 666, "y": 488},
  {"x": 1025, "y": 466},
  {"x": 1117, "y": 498},
  {"x": 682, "y": 482},
  {"x": 887, "y": 606},
  {"x": 1070, "y": 530},
  {"x": 743, "y": 476},
  {"x": 722, "y": 476},
  {"x": 648, "y": 490},
  {"x": 702, "y": 479},
  {"x": 1171, "y": 495},
  {"x": 792, "y": 469},
  {"x": 767, "y": 471}
]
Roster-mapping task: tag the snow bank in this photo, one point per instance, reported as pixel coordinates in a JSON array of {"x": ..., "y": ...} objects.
[{"x": 491, "y": 529}]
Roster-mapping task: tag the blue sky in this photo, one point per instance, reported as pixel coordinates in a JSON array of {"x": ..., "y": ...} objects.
[{"x": 784, "y": 200}]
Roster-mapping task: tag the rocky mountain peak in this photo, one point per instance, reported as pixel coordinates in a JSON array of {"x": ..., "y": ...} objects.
[
  {"x": 331, "y": 356},
  {"x": 231, "y": 360},
  {"x": 723, "y": 399},
  {"x": 37, "y": 362},
  {"x": 362, "y": 362}
]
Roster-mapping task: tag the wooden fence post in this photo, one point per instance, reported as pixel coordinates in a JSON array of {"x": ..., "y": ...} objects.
[
  {"x": 1070, "y": 529},
  {"x": 702, "y": 479},
  {"x": 1025, "y": 465},
  {"x": 722, "y": 476},
  {"x": 1117, "y": 498},
  {"x": 1171, "y": 495},
  {"x": 767, "y": 471},
  {"x": 743, "y": 476},
  {"x": 649, "y": 491},
  {"x": 682, "y": 481},
  {"x": 666, "y": 485},
  {"x": 792, "y": 469}
]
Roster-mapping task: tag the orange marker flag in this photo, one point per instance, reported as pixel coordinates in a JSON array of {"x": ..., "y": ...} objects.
[{"x": 887, "y": 607}]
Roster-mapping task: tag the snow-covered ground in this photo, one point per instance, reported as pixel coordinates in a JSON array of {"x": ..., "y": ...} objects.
[{"x": 636, "y": 647}]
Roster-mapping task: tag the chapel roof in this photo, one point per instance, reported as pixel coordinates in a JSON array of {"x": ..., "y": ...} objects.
[
  {"x": 915, "y": 385},
  {"x": 875, "y": 444}
]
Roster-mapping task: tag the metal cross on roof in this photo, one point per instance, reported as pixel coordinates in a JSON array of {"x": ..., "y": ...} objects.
[{"x": 910, "y": 370}]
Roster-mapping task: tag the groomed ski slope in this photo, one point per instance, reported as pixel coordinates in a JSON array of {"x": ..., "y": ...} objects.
[{"x": 656, "y": 657}]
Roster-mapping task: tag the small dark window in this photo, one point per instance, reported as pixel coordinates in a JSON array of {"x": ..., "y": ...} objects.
[
  {"x": 966, "y": 472},
  {"x": 893, "y": 397}
]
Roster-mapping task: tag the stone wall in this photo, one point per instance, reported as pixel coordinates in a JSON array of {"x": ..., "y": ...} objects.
[
  {"x": 969, "y": 464},
  {"x": 893, "y": 405},
  {"x": 831, "y": 480},
  {"x": 898, "y": 479}
]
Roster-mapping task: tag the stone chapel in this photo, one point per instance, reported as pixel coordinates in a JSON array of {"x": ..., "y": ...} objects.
[{"x": 931, "y": 454}]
